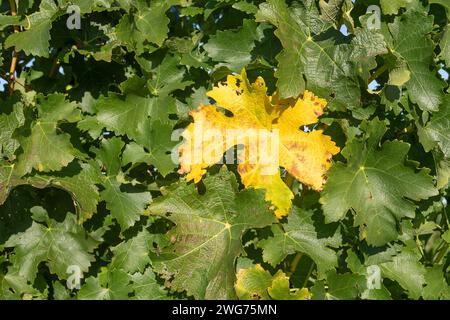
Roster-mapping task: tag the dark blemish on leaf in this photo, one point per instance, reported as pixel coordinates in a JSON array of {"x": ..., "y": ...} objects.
[{"x": 255, "y": 296}]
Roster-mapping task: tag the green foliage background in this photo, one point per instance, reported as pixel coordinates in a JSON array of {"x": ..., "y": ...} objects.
[{"x": 86, "y": 176}]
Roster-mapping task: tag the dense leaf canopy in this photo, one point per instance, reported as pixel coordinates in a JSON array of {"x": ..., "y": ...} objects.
[{"x": 93, "y": 121}]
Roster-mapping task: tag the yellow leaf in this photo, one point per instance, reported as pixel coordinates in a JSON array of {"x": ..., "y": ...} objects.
[
  {"x": 267, "y": 129},
  {"x": 255, "y": 283}
]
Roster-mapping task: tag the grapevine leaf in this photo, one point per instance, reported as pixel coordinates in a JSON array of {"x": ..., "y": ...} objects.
[
  {"x": 166, "y": 77},
  {"x": 58, "y": 244},
  {"x": 126, "y": 202},
  {"x": 374, "y": 183},
  {"x": 392, "y": 6},
  {"x": 7, "y": 20},
  {"x": 8, "y": 124},
  {"x": 108, "y": 285},
  {"x": 152, "y": 21},
  {"x": 44, "y": 148},
  {"x": 157, "y": 138},
  {"x": 35, "y": 39},
  {"x": 438, "y": 129},
  {"x": 233, "y": 48},
  {"x": 331, "y": 10},
  {"x": 14, "y": 287},
  {"x": 437, "y": 287},
  {"x": 133, "y": 255},
  {"x": 146, "y": 288},
  {"x": 123, "y": 116},
  {"x": 252, "y": 283},
  {"x": 313, "y": 57},
  {"x": 424, "y": 88},
  {"x": 79, "y": 180},
  {"x": 281, "y": 290},
  {"x": 306, "y": 155},
  {"x": 255, "y": 283},
  {"x": 298, "y": 235},
  {"x": 207, "y": 236},
  {"x": 406, "y": 269},
  {"x": 346, "y": 286}
]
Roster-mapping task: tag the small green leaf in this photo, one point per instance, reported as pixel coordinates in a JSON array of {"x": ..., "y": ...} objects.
[
  {"x": 58, "y": 244},
  {"x": 108, "y": 285},
  {"x": 424, "y": 87},
  {"x": 43, "y": 146},
  {"x": 233, "y": 47},
  {"x": 299, "y": 235},
  {"x": 406, "y": 269},
  {"x": 35, "y": 39}
]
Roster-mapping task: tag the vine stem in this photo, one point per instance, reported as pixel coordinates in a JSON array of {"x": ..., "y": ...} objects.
[
  {"x": 295, "y": 262},
  {"x": 12, "y": 69}
]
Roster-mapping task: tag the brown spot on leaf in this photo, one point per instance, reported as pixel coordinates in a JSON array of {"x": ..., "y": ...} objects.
[{"x": 255, "y": 296}]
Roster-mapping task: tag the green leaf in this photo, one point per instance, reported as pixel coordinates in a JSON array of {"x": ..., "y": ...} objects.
[
  {"x": 346, "y": 286},
  {"x": 152, "y": 21},
  {"x": 7, "y": 20},
  {"x": 331, "y": 10},
  {"x": 146, "y": 288},
  {"x": 108, "y": 285},
  {"x": 416, "y": 50},
  {"x": 58, "y": 244},
  {"x": 406, "y": 269},
  {"x": 392, "y": 6},
  {"x": 166, "y": 76},
  {"x": 133, "y": 255},
  {"x": 9, "y": 122},
  {"x": 207, "y": 236},
  {"x": 367, "y": 45},
  {"x": 79, "y": 180},
  {"x": 437, "y": 287},
  {"x": 35, "y": 39},
  {"x": 128, "y": 34},
  {"x": 15, "y": 287},
  {"x": 233, "y": 47},
  {"x": 245, "y": 6},
  {"x": 157, "y": 138},
  {"x": 124, "y": 116},
  {"x": 281, "y": 290},
  {"x": 125, "y": 205},
  {"x": 44, "y": 147},
  {"x": 126, "y": 202},
  {"x": 437, "y": 131},
  {"x": 442, "y": 170},
  {"x": 375, "y": 184},
  {"x": 298, "y": 235},
  {"x": 445, "y": 45},
  {"x": 313, "y": 57}
]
